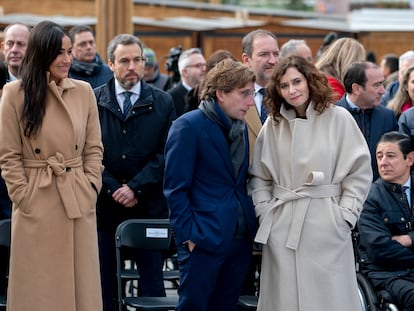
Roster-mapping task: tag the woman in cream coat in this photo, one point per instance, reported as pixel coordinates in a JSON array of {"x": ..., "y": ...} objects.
[
  {"x": 51, "y": 160},
  {"x": 311, "y": 173}
]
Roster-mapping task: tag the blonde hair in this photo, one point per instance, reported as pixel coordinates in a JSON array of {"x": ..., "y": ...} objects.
[
  {"x": 401, "y": 97},
  {"x": 339, "y": 55}
]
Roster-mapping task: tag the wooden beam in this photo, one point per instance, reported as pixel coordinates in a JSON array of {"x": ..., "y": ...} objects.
[{"x": 113, "y": 17}]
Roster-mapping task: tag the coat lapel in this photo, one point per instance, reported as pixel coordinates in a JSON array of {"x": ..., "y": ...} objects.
[
  {"x": 253, "y": 121},
  {"x": 219, "y": 142}
]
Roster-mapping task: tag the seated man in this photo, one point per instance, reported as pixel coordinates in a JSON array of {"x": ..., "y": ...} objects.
[{"x": 386, "y": 222}]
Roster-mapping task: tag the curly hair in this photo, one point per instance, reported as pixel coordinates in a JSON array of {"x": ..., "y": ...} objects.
[{"x": 320, "y": 93}]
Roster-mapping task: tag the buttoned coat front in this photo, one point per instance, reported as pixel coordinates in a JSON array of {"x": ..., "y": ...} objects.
[
  {"x": 53, "y": 182},
  {"x": 309, "y": 180}
]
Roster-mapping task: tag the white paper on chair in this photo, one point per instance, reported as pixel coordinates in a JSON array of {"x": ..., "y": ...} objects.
[{"x": 158, "y": 233}]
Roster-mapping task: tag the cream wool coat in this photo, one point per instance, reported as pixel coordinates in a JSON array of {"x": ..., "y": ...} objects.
[
  {"x": 54, "y": 262},
  {"x": 309, "y": 178}
]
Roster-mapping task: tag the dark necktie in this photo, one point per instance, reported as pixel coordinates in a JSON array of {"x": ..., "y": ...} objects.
[
  {"x": 127, "y": 102},
  {"x": 407, "y": 194},
  {"x": 263, "y": 111}
]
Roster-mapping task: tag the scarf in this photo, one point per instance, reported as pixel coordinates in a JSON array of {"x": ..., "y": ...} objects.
[
  {"x": 235, "y": 130},
  {"x": 84, "y": 68}
]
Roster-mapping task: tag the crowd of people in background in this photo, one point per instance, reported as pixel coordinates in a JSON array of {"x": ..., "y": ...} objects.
[{"x": 282, "y": 150}]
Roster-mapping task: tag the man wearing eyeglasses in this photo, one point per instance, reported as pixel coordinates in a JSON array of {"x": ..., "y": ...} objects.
[
  {"x": 135, "y": 118},
  {"x": 192, "y": 68}
]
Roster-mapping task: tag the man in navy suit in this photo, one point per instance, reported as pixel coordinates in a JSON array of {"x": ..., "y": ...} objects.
[
  {"x": 364, "y": 86},
  {"x": 205, "y": 185}
]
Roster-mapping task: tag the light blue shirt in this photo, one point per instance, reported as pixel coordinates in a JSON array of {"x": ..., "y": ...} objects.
[{"x": 135, "y": 90}]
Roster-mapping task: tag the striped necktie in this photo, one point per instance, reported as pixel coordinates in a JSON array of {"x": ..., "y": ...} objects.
[
  {"x": 263, "y": 109},
  {"x": 407, "y": 194},
  {"x": 127, "y": 103}
]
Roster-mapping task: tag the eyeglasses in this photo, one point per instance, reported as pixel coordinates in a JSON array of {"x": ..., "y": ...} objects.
[
  {"x": 199, "y": 65},
  {"x": 247, "y": 93}
]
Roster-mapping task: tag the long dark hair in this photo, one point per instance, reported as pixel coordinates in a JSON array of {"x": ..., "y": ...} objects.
[{"x": 45, "y": 42}]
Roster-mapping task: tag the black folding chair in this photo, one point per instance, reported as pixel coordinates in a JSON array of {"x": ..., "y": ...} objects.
[{"x": 145, "y": 234}]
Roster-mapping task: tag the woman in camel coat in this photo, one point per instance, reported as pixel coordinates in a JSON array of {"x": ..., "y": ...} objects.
[
  {"x": 51, "y": 160},
  {"x": 311, "y": 172}
]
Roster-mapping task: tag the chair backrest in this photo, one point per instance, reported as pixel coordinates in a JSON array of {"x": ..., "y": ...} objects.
[
  {"x": 5, "y": 232},
  {"x": 150, "y": 234}
]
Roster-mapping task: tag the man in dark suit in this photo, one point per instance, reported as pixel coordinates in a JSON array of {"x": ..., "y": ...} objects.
[
  {"x": 192, "y": 68},
  {"x": 212, "y": 216},
  {"x": 135, "y": 119},
  {"x": 13, "y": 47},
  {"x": 364, "y": 88}
]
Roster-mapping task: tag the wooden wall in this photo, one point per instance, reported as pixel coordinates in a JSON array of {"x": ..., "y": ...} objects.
[
  {"x": 162, "y": 39},
  {"x": 50, "y": 7}
]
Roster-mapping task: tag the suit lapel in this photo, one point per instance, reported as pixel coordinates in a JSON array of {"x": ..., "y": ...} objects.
[
  {"x": 253, "y": 121},
  {"x": 219, "y": 142}
]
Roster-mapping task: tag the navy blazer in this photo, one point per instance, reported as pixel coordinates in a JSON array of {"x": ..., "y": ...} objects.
[
  {"x": 373, "y": 124},
  {"x": 202, "y": 191}
]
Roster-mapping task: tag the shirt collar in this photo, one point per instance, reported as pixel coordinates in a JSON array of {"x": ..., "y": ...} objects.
[
  {"x": 257, "y": 87},
  {"x": 351, "y": 104},
  {"x": 408, "y": 183},
  {"x": 136, "y": 89},
  {"x": 12, "y": 77},
  {"x": 186, "y": 86}
]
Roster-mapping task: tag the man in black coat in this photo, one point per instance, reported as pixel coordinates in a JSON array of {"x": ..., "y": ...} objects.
[
  {"x": 135, "y": 119},
  {"x": 192, "y": 67},
  {"x": 386, "y": 222},
  {"x": 87, "y": 64},
  {"x": 364, "y": 88}
]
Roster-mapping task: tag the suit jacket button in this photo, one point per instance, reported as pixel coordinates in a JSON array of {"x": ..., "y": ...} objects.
[{"x": 37, "y": 150}]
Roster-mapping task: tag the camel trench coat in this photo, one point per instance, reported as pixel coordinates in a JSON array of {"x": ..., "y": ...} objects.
[
  {"x": 309, "y": 180},
  {"x": 53, "y": 181}
]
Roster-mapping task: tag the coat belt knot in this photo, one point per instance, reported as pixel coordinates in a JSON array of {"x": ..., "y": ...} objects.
[
  {"x": 57, "y": 165},
  {"x": 313, "y": 189}
]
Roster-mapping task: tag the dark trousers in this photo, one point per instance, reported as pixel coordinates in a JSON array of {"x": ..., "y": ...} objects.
[
  {"x": 4, "y": 268},
  {"x": 149, "y": 264},
  {"x": 401, "y": 290},
  {"x": 211, "y": 281},
  {"x": 5, "y": 213}
]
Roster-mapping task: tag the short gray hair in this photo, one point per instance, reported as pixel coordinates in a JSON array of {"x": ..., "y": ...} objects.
[
  {"x": 290, "y": 47},
  {"x": 409, "y": 55},
  {"x": 183, "y": 60}
]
